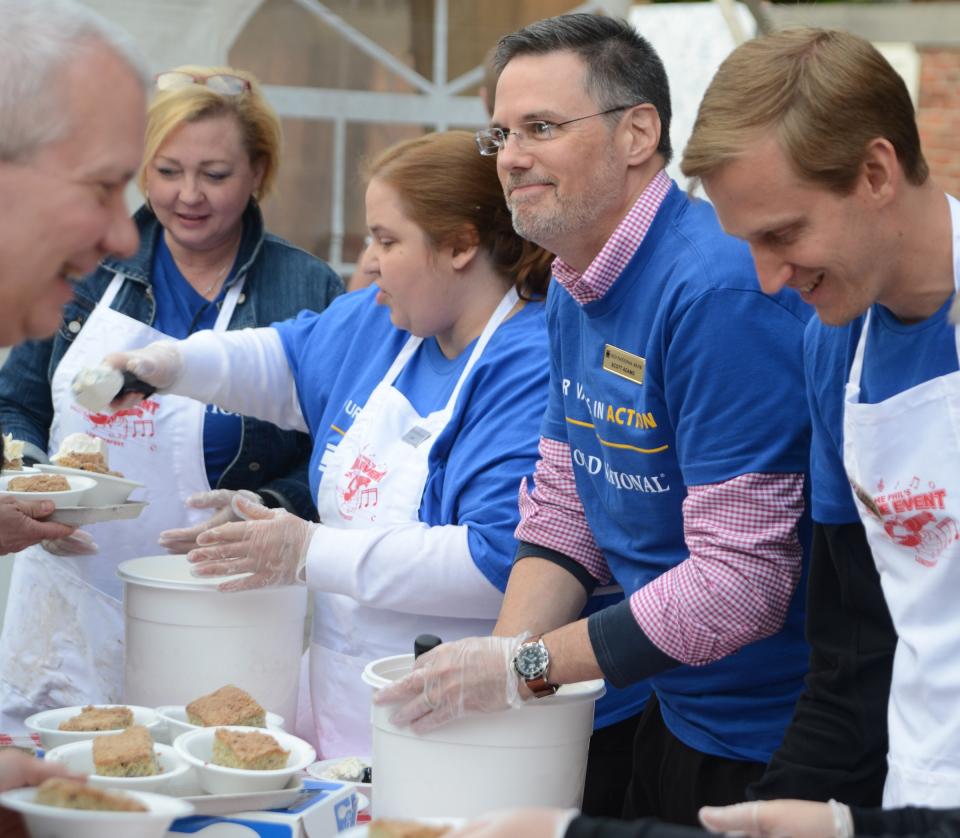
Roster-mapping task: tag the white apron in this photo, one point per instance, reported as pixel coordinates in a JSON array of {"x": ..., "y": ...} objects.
[
  {"x": 903, "y": 458},
  {"x": 62, "y": 641},
  {"x": 376, "y": 477}
]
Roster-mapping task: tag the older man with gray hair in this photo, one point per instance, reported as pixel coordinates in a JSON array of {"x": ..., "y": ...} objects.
[{"x": 72, "y": 111}]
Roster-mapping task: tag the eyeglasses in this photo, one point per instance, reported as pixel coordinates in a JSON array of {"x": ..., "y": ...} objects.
[
  {"x": 492, "y": 140},
  {"x": 223, "y": 83}
]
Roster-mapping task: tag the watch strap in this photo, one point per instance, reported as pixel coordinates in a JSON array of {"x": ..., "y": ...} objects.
[{"x": 540, "y": 686}]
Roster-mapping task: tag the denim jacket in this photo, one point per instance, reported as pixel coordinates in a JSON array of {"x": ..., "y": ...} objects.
[{"x": 281, "y": 280}]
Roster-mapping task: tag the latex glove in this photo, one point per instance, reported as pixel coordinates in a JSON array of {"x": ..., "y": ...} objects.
[
  {"x": 78, "y": 543},
  {"x": 159, "y": 364},
  {"x": 220, "y": 500},
  {"x": 22, "y": 524},
  {"x": 771, "y": 819},
  {"x": 474, "y": 675},
  {"x": 530, "y": 823},
  {"x": 269, "y": 543}
]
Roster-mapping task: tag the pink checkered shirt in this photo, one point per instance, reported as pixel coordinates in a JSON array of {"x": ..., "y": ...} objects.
[{"x": 745, "y": 556}]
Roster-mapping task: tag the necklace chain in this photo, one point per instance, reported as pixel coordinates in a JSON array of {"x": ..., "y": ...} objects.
[{"x": 218, "y": 278}]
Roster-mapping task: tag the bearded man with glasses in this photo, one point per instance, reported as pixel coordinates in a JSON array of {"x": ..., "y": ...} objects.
[{"x": 673, "y": 450}]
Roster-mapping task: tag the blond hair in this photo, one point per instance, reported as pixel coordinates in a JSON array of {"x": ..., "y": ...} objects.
[
  {"x": 826, "y": 93},
  {"x": 258, "y": 122}
]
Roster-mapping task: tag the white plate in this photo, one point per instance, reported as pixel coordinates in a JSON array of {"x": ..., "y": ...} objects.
[
  {"x": 316, "y": 771},
  {"x": 109, "y": 490},
  {"x": 196, "y": 747},
  {"x": 361, "y": 830},
  {"x": 80, "y": 488},
  {"x": 46, "y": 721},
  {"x": 53, "y": 822},
  {"x": 78, "y": 516},
  {"x": 229, "y": 804},
  {"x": 175, "y": 718},
  {"x": 78, "y": 756},
  {"x": 15, "y": 472}
]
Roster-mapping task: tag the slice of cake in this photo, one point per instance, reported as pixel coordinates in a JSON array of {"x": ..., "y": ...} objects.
[
  {"x": 12, "y": 453},
  {"x": 251, "y": 750},
  {"x": 227, "y": 706},
  {"x": 39, "y": 483},
  {"x": 71, "y": 794},
  {"x": 84, "y": 452},
  {"x": 127, "y": 754},
  {"x": 382, "y": 828},
  {"x": 99, "y": 718}
]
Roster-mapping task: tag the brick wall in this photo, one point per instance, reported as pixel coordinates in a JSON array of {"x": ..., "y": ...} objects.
[{"x": 938, "y": 114}]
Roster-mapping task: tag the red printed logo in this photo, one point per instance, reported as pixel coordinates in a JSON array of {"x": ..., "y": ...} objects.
[
  {"x": 914, "y": 519},
  {"x": 358, "y": 488},
  {"x": 137, "y": 422}
]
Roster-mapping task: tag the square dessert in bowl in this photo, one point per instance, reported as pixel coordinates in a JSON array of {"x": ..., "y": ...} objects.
[
  {"x": 62, "y": 808},
  {"x": 230, "y": 760},
  {"x": 63, "y": 490},
  {"x": 77, "y": 724},
  {"x": 85, "y": 455},
  {"x": 129, "y": 761},
  {"x": 226, "y": 706}
]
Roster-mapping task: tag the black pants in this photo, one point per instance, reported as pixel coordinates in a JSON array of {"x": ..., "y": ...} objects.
[
  {"x": 672, "y": 781},
  {"x": 609, "y": 766}
]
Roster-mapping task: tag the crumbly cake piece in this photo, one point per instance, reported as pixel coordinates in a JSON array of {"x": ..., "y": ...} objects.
[
  {"x": 227, "y": 706},
  {"x": 39, "y": 483},
  {"x": 71, "y": 794},
  {"x": 382, "y": 828},
  {"x": 99, "y": 718},
  {"x": 86, "y": 462},
  {"x": 253, "y": 751},
  {"x": 127, "y": 754}
]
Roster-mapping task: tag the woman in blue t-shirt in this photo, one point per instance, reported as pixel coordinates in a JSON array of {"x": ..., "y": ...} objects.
[
  {"x": 212, "y": 150},
  {"x": 423, "y": 395}
]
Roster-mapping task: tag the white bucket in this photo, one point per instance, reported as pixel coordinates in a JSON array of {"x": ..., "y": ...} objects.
[
  {"x": 184, "y": 638},
  {"x": 535, "y": 755}
]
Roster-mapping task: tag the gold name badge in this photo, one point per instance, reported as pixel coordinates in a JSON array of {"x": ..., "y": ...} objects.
[{"x": 623, "y": 363}]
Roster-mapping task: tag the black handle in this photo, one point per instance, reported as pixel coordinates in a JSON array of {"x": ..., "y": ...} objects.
[
  {"x": 424, "y": 643},
  {"x": 132, "y": 384}
]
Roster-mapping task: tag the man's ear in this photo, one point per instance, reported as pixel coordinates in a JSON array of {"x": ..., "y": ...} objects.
[
  {"x": 642, "y": 134},
  {"x": 880, "y": 172}
]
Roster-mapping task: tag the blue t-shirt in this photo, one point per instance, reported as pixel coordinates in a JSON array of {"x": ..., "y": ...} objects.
[
  {"x": 181, "y": 311},
  {"x": 897, "y": 356},
  {"x": 478, "y": 460},
  {"x": 720, "y": 394}
]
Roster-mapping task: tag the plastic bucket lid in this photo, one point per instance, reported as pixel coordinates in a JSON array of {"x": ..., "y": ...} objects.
[{"x": 169, "y": 571}]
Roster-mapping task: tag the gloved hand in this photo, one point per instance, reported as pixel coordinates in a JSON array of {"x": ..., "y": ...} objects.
[
  {"x": 773, "y": 819},
  {"x": 79, "y": 543},
  {"x": 269, "y": 543},
  {"x": 184, "y": 540},
  {"x": 474, "y": 675},
  {"x": 159, "y": 364},
  {"x": 508, "y": 823}
]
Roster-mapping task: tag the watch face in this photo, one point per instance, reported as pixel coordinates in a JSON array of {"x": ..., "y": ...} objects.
[{"x": 532, "y": 661}]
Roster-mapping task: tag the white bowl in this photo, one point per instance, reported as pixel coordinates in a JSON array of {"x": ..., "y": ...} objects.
[
  {"x": 46, "y": 721},
  {"x": 78, "y": 757},
  {"x": 196, "y": 747},
  {"x": 109, "y": 490},
  {"x": 53, "y": 822},
  {"x": 79, "y": 490},
  {"x": 175, "y": 718},
  {"x": 318, "y": 768}
]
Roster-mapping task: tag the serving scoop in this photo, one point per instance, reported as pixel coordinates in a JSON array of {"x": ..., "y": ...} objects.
[{"x": 95, "y": 388}]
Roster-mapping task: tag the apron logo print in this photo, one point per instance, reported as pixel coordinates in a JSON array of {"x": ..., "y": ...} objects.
[
  {"x": 361, "y": 492},
  {"x": 130, "y": 423},
  {"x": 909, "y": 519}
]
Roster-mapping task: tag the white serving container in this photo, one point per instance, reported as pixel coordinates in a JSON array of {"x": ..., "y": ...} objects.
[
  {"x": 52, "y": 822},
  {"x": 108, "y": 489},
  {"x": 78, "y": 757},
  {"x": 196, "y": 747},
  {"x": 46, "y": 723},
  {"x": 184, "y": 638},
  {"x": 534, "y": 755},
  {"x": 79, "y": 491},
  {"x": 175, "y": 718}
]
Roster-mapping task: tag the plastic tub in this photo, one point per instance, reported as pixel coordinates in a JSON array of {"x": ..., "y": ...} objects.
[
  {"x": 535, "y": 755},
  {"x": 184, "y": 638}
]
